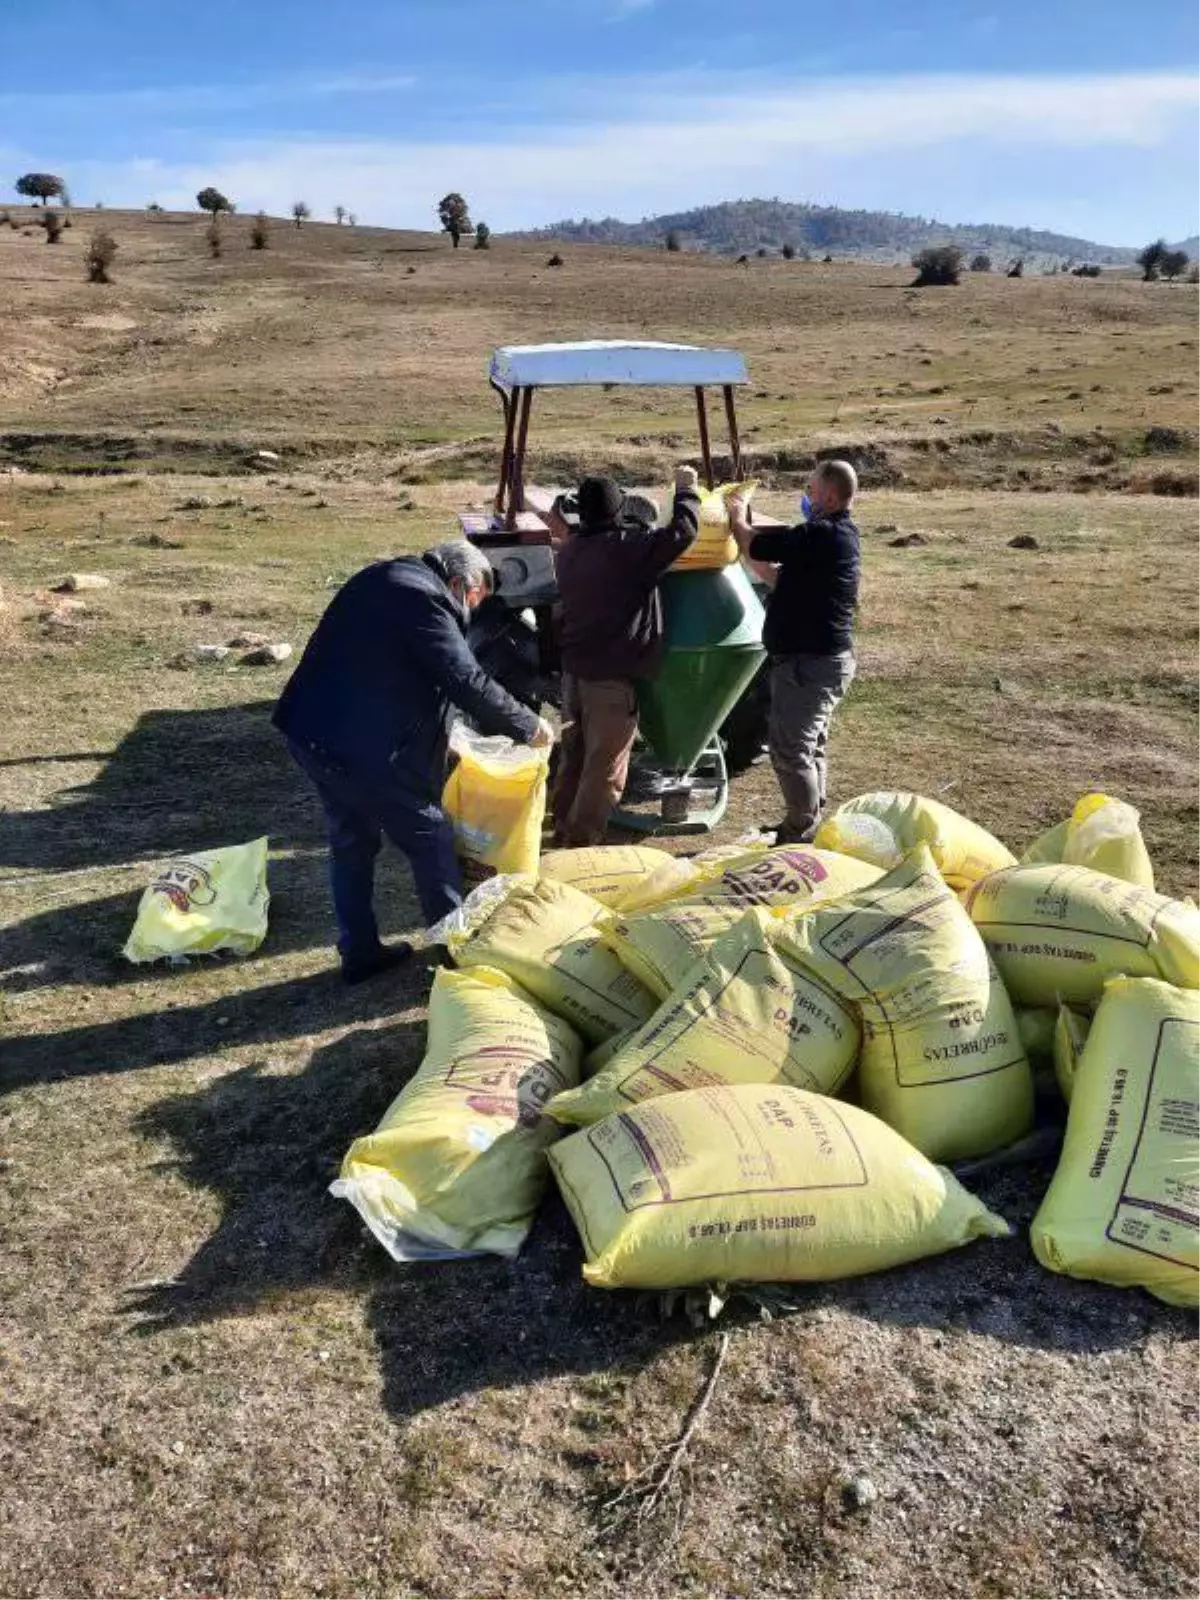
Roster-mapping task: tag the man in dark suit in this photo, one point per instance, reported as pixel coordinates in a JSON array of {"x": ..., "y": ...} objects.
[{"x": 366, "y": 714}]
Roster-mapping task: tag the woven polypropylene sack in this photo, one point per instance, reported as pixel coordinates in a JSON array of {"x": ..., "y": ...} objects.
[
  {"x": 661, "y": 943},
  {"x": 1101, "y": 833},
  {"x": 884, "y": 826},
  {"x": 1060, "y": 932},
  {"x": 942, "y": 1060},
  {"x": 614, "y": 874},
  {"x": 1122, "y": 1205},
  {"x": 755, "y": 1183},
  {"x": 458, "y": 1164},
  {"x": 543, "y": 934},
  {"x": 495, "y": 798},
  {"x": 199, "y": 904},
  {"x": 745, "y": 1014},
  {"x": 714, "y": 544}
]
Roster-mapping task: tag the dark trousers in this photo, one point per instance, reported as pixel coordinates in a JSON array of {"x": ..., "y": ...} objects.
[
  {"x": 599, "y": 727},
  {"x": 805, "y": 692},
  {"x": 360, "y": 809}
]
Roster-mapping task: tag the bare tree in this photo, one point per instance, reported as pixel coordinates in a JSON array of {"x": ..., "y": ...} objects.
[
  {"x": 339, "y": 213},
  {"x": 300, "y": 211}
]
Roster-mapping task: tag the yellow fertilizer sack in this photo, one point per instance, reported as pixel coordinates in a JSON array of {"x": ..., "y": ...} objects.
[
  {"x": 458, "y": 1163},
  {"x": 1122, "y": 1207},
  {"x": 883, "y": 827},
  {"x": 1071, "y": 1029},
  {"x": 495, "y": 798},
  {"x": 754, "y": 1183},
  {"x": 1101, "y": 833},
  {"x": 610, "y": 873},
  {"x": 715, "y": 545},
  {"x": 942, "y": 1061},
  {"x": 661, "y": 943},
  {"x": 543, "y": 934},
  {"x": 745, "y": 1014},
  {"x": 1035, "y": 1029},
  {"x": 198, "y": 904},
  {"x": 1060, "y": 932}
]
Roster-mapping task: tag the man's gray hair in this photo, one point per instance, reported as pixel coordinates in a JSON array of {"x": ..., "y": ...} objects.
[{"x": 465, "y": 561}]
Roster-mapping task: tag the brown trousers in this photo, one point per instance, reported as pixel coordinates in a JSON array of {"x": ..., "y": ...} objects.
[{"x": 599, "y": 727}]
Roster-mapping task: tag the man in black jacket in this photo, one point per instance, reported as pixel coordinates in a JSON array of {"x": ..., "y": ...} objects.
[
  {"x": 808, "y": 634},
  {"x": 612, "y": 635},
  {"x": 366, "y": 714}
]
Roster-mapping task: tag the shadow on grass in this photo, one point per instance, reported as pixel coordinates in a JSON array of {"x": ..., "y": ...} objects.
[
  {"x": 269, "y": 1142},
  {"x": 180, "y": 780}
]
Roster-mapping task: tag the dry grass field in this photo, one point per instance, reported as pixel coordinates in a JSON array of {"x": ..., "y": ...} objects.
[{"x": 210, "y": 1380}]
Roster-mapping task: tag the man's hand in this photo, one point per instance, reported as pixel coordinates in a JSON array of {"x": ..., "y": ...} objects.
[
  {"x": 687, "y": 478},
  {"x": 544, "y": 737}
]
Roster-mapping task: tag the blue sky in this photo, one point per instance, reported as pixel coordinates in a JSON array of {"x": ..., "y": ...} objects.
[{"x": 1065, "y": 114}]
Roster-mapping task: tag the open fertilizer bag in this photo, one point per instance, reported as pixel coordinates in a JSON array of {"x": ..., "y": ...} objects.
[
  {"x": 1101, "y": 833},
  {"x": 883, "y": 827},
  {"x": 199, "y": 904},
  {"x": 495, "y": 798},
  {"x": 942, "y": 1060},
  {"x": 458, "y": 1166},
  {"x": 755, "y": 1183},
  {"x": 661, "y": 943},
  {"x": 714, "y": 545},
  {"x": 1060, "y": 932},
  {"x": 611, "y": 873},
  {"x": 1122, "y": 1207},
  {"x": 543, "y": 934},
  {"x": 745, "y": 1014}
]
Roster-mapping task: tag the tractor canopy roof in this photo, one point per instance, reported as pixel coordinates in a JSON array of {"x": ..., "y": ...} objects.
[{"x": 604, "y": 361}]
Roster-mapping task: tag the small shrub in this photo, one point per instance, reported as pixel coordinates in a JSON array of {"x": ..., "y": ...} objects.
[
  {"x": 154, "y": 208},
  {"x": 214, "y": 238},
  {"x": 339, "y": 215},
  {"x": 1017, "y": 270},
  {"x": 483, "y": 236},
  {"x": 762, "y": 252},
  {"x": 1085, "y": 271},
  {"x": 101, "y": 252},
  {"x": 260, "y": 232},
  {"x": 788, "y": 252},
  {"x": 827, "y": 260},
  {"x": 352, "y": 219},
  {"x": 937, "y": 264},
  {"x": 674, "y": 241},
  {"x": 981, "y": 263},
  {"x": 53, "y": 225},
  {"x": 555, "y": 260},
  {"x": 1194, "y": 273}
]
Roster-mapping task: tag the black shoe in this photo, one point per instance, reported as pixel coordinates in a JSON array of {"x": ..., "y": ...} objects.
[
  {"x": 786, "y": 834},
  {"x": 387, "y": 957}
]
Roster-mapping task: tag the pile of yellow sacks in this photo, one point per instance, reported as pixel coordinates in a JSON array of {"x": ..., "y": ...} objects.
[{"x": 764, "y": 1059}]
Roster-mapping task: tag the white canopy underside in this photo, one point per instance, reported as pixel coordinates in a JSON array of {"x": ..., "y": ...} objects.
[{"x": 524, "y": 366}]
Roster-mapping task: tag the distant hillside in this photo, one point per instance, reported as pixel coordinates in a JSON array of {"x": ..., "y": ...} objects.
[{"x": 737, "y": 226}]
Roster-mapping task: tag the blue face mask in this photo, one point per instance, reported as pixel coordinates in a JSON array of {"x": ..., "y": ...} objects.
[{"x": 806, "y": 506}]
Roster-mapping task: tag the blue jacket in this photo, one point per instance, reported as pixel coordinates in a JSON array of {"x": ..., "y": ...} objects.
[{"x": 378, "y": 678}]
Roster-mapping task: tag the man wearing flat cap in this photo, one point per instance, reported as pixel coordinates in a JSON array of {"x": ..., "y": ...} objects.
[{"x": 612, "y": 635}]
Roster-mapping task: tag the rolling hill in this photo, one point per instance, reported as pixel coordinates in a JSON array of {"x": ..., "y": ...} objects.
[{"x": 734, "y": 226}]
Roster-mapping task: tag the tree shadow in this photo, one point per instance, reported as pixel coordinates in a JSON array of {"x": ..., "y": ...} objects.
[
  {"x": 176, "y": 1032},
  {"x": 179, "y": 780}
]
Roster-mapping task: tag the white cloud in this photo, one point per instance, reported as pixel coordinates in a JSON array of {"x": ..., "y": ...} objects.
[{"x": 673, "y": 150}]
